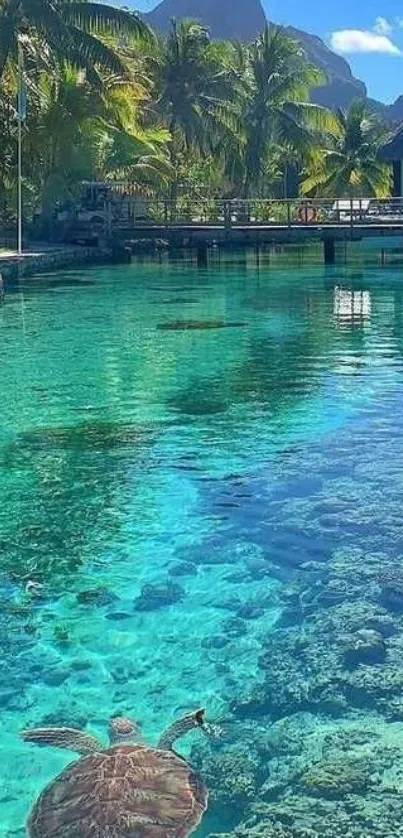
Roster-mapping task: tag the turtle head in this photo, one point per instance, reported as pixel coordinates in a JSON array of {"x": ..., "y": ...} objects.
[{"x": 123, "y": 730}]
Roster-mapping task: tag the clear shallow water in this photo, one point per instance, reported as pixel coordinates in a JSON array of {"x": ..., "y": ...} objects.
[{"x": 206, "y": 432}]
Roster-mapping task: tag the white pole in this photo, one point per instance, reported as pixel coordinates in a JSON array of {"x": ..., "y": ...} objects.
[{"x": 19, "y": 175}]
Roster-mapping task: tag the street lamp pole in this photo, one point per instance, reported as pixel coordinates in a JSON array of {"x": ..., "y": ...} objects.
[{"x": 21, "y": 114}]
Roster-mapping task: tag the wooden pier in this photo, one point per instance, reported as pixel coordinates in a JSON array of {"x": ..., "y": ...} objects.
[{"x": 122, "y": 218}]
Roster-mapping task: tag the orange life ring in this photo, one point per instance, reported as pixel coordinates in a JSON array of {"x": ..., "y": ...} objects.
[{"x": 307, "y": 214}]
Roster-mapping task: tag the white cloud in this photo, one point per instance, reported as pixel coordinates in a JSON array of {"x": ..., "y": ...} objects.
[
  {"x": 349, "y": 41},
  {"x": 382, "y": 26}
]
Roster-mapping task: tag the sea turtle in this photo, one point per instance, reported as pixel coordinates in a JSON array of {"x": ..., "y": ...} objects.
[{"x": 124, "y": 790}]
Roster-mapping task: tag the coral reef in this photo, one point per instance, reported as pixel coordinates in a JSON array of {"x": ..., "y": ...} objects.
[
  {"x": 324, "y": 723},
  {"x": 233, "y": 777},
  {"x": 334, "y": 780},
  {"x": 366, "y": 646}
]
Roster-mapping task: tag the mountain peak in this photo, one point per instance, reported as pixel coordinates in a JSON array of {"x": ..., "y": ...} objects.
[{"x": 227, "y": 19}]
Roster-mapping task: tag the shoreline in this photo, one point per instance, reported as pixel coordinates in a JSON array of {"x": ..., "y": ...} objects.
[{"x": 45, "y": 258}]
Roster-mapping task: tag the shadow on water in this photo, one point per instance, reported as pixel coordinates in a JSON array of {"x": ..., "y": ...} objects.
[{"x": 64, "y": 483}]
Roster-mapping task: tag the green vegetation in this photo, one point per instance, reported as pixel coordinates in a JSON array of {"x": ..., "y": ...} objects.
[
  {"x": 349, "y": 164},
  {"x": 179, "y": 116}
]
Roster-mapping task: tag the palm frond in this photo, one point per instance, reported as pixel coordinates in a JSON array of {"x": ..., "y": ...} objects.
[
  {"x": 99, "y": 17},
  {"x": 84, "y": 49},
  {"x": 8, "y": 33}
]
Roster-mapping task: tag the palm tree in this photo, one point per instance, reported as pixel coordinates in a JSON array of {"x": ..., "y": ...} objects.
[
  {"x": 349, "y": 166},
  {"x": 277, "y": 114},
  {"x": 193, "y": 91},
  {"x": 127, "y": 149},
  {"x": 8, "y": 145},
  {"x": 76, "y": 133},
  {"x": 67, "y": 30}
]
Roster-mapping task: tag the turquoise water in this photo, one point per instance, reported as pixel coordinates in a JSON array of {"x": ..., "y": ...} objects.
[{"x": 201, "y": 505}]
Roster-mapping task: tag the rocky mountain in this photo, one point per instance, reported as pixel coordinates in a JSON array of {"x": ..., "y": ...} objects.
[
  {"x": 342, "y": 87},
  {"x": 241, "y": 19},
  {"x": 244, "y": 19}
]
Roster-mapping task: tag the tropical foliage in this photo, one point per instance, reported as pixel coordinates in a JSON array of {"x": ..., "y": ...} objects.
[
  {"x": 349, "y": 165},
  {"x": 278, "y": 120},
  {"x": 176, "y": 115},
  {"x": 67, "y": 30}
]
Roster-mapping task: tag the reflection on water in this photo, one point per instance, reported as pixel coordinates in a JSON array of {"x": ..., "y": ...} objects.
[
  {"x": 201, "y": 506},
  {"x": 349, "y": 305}
]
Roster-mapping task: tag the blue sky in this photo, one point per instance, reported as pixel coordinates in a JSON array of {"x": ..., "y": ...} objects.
[{"x": 369, "y": 33}]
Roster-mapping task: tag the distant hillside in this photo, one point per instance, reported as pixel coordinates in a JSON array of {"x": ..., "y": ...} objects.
[
  {"x": 342, "y": 87},
  {"x": 244, "y": 19}
]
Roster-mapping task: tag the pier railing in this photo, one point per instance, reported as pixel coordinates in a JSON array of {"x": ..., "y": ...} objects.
[{"x": 131, "y": 211}]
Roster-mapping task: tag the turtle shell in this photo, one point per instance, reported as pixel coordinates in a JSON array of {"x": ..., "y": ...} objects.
[{"x": 127, "y": 791}]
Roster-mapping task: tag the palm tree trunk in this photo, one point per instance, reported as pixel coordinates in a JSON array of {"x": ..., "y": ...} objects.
[
  {"x": 246, "y": 186},
  {"x": 174, "y": 187}
]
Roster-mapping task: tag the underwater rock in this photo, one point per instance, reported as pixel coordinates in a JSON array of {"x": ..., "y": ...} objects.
[
  {"x": 63, "y": 716},
  {"x": 15, "y": 700},
  {"x": 96, "y": 596},
  {"x": 381, "y": 623},
  {"x": 371, "y": 686},
  {"x": 251, "y": 611},
  {"x": 6, "y": 696},
  {"x": 119, "y": 675},
  {"x": 232, "y": 602},
  {"x": 237, "y": 577},
  {"x": 221, "y": 669},
  {"x": 209, "y": 552},
  {"x": 313, "y": 569},
  {"x": 61, "y": 635},
  {"x": 391, "y": 581},
  {"x": 335, "y": 592},
  {"x": 234, "y": 627},
  {"x": 153, "y": 597},
  {"x": 394, "y": 709},
  {"x": 215, "y": 641},
  {"x": 256, "y": 703},
  {"x": 183, "y": 569},
  {"x": 290, "y": 616},
  {"x": 255, "y": 607},
  {"x": 55, "y": 677},
  {"x": 80, "y": 664},
  {"x": 118, "y": 615},
  {"x": 292, "y": 612},
  {"x": 258, "y": 567},
  {"x": 366, "y": 646},
  {"x": 32, "y": 664},
  {"x": 123, "y": 672}
]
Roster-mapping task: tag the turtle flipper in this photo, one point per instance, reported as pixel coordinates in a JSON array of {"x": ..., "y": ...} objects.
[
  {"x": 63, "y": 737},
  {"x": 180, "y": 728}
]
